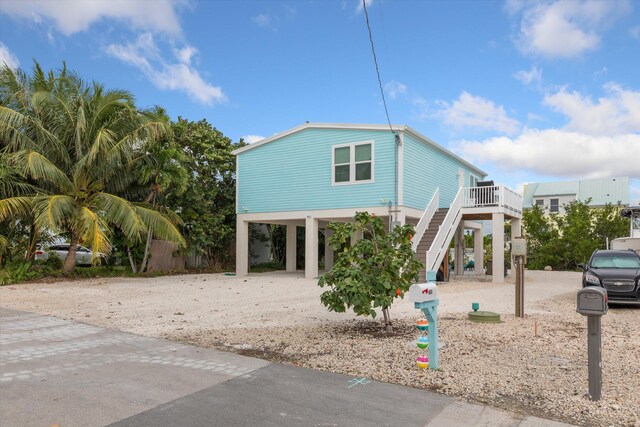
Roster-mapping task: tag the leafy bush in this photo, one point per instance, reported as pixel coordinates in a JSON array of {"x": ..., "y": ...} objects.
[
  {"x": 374, "y": 271},
  {"x": 17, "y": 271}
]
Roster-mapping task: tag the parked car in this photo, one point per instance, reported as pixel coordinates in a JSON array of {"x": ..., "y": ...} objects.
[
  {"x": 618, "y": 271},
  {"x": 83, "y": 255}
]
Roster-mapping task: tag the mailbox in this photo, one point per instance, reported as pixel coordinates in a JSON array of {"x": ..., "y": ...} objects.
[
  {"x": 592, "y": 301},
  {"x": 423, "y": 292},
  {"x": 519, "y": 247}
]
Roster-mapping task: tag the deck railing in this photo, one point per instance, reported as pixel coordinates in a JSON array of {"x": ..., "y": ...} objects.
[
  {"x": 435, "y": 254},
  {"x": 424, "y": 222},
  {"x": 494, "y": 196}
]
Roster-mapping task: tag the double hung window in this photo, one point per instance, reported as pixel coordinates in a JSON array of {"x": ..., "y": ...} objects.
[{"x": 353, "y": 163}]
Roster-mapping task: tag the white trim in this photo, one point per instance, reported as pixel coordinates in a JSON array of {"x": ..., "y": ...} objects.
[
  {"x": 237, "y": 181},
  {"x": 352, "y": 163},
  {"x": 285, "y": 217},
  {"x": 401, "y": 170},
  {"x": 353, "y": 126}
]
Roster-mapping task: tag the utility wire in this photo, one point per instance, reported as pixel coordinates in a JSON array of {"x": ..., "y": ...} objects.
[{"x": 375, "y": 61}]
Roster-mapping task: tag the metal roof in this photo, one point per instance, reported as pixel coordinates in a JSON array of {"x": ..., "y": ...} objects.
[{"x": 601, "y": 191}]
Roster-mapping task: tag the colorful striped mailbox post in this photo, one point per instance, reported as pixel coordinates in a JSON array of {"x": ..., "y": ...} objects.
[{"x": 424, "y": 296}]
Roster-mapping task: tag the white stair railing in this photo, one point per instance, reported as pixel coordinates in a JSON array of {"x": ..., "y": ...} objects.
[
  {"x": 440, "y": 244},
  {"x": 425, "y": 220}
]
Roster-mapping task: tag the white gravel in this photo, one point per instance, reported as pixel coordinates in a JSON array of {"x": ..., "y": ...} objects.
[{"x": 278, "y": 316}]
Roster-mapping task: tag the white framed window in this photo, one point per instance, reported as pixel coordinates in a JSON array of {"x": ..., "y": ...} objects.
[
  {"x": 554, "y": 206},
  {"x": 352, "y": 163},
  {"x": 473, "y": 181},
  {"x": 540, "y": 202}
]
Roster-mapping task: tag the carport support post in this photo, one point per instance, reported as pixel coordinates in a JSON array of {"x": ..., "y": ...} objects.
[
  {"x": 311, "y": 248},
  {"x": 292, "y": 237},
  {"x": 242, "y": 247},
  {"x": 459, "y": 249},
  {"x": 594, "y": 349},
  {"x": 497, "y": 246},
  {"x": 328, "y": 252},
  {"x": 478, "y": 250}
]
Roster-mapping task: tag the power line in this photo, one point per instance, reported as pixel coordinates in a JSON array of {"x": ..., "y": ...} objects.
[{"x": 375, "y": 61}]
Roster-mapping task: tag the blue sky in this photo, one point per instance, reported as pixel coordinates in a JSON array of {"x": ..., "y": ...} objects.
[{"x": 528, "y": 91}]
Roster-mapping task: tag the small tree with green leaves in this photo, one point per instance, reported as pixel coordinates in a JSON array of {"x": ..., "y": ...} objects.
[{"x": 371, "y": 273}]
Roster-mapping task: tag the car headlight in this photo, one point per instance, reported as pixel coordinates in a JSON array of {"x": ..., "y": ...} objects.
[{"x": 590, "y": 278}]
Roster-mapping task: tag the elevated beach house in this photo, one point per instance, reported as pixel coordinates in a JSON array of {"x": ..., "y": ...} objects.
[{"x": 316, "y": 173}]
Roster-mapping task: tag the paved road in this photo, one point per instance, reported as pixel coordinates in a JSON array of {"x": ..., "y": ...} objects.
[{"x": 66, "y": 373}]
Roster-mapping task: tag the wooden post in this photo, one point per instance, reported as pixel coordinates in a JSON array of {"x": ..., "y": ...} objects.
[{"x": 519, "y": 286}]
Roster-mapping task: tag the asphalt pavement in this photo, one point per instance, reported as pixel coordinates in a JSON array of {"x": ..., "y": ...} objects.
[{"x": 56, "y": 372}]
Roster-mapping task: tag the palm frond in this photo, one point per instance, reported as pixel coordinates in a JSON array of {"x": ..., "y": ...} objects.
[
  {"x": 16, "y": 207},
  {"x": 36, "y": 166},
  {"x": 54, "y": 212},
  {"x": 121, "y": 213},
  {"x": 93, "y": 232},
  {"x": 160, "y": 225}
]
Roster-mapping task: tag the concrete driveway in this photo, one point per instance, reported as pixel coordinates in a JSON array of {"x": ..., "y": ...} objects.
[{"x": 66, "y": 373}]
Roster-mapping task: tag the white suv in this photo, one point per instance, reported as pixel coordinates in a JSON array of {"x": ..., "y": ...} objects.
[{"x": 83, "y": 255}]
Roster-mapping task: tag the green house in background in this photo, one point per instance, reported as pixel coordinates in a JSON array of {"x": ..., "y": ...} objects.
[
  {"x": 321, "y": 172},
  {"x": 554, "y": 195}
]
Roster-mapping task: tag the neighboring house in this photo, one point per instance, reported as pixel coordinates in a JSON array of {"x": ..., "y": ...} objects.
[
  {"x": 552, "y": 196},
  {"x": 316, "y": 173}
]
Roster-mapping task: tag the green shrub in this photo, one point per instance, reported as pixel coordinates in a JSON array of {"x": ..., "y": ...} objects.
[{"x": 18, "y": 271}]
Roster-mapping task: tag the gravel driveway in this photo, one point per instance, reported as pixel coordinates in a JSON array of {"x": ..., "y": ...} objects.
[{"x": 278, "y": 316}]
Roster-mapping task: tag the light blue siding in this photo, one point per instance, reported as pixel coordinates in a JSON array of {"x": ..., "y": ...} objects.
[
  {"x": 427, "y": 168},
  {"x": 294, "y": 173}
]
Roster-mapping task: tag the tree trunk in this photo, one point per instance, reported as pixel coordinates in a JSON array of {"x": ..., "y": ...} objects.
[
  {"x": 145, "y": 258},
  {"x": 30, "y": 254},
  {"x": 134, "y": 269},
  {"x": 70, "y": 260},
  {"x": 387, "y": 320}
]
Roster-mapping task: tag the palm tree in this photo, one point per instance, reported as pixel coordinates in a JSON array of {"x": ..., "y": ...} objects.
[{"x": 80, "y": 144}]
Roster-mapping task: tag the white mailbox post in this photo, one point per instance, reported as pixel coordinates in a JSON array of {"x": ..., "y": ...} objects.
[
  {"x": 519, "y": 251},
  {"x": 592, "y": 302},
  {"x": 425, "y": 298}
]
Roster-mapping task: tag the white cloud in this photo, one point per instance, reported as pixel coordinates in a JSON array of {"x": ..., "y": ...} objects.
[
  {"x": 250, "y": 139},
  {"x": 534, "y": 75},
  {"x": 145, "y": 55},
  {"x": 394, "y": 88},
  {"x": 360, "y": 7},
  {"x": 564, "y": 29},
  {"x": 601, "y": 138},
  {"x": 619, "y": 113},
  {"x": 470, "y": 111},
  {"x": 73, "y": 16},
  {"x": 559, "y": 153},
  {"x": 266, "y": 20},
  {"x": 6, "y": 57}
]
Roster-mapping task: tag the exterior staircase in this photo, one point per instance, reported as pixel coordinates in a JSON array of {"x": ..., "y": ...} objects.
[
  {"x": 435, "y": 231},
  {"x": 428, "y": 237}
]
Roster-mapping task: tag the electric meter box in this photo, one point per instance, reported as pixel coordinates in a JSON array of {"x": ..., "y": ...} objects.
[
  {"x": 423, "y": 292},
  {"x": 519, "y": 247},
  {"x": 592, "y": 301}
]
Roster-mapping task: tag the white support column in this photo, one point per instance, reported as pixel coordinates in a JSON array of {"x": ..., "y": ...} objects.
[
  {"x": 292, "y": 238},
  {"x": 242, "y": 246},
  {"x": 355, "y": 237},
  {"x": 478, "y": 251},
  {"x": 328, "y": 252},
  {"x": 497, "y": 231},
  {"x": 459, "y": 249},
  {"x": 311, "y": 248},
  {"x": 516, "y": 231}
]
